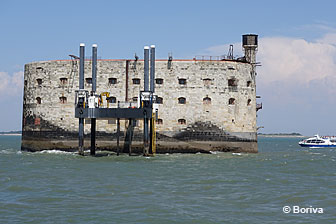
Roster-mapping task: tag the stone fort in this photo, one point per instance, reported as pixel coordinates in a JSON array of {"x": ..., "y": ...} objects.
[{"x": 205, "y": 104}]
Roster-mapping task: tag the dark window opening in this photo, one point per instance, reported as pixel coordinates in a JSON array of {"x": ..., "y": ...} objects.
[
  {"x": 88, "y": 80},
  {"x": 63, "y": 81},
  {"x": 135, "y": 99},
  {"x": 25, "y": 82},
  {"x": 207, "y": 100},
  {"x": 159, "y": 81},
  {"x": 111, "y": 99},
  {"x": 232, "y": 82},
  {"x": 181, "y": 121},
  {"x": 112, "y": 81},
  {"x": 159, "y": 121},
  {"x": 182, "y": 81},
  {"x": 39, "y": 82},
  {"x": 207, "y": 82},
  {"x": 232, "y": 101},
  {"x": 182, "y": 100},
  {"x": 38, "y": 100},
  {"x": 159, "y": 100},
  {"x": 37, "y": 121},
  {"x": 63, "y": 99},
  {"x": 249, "y": 83},
  {"x": 248, "y": 102},
  {"x": 136, "y": 81}
]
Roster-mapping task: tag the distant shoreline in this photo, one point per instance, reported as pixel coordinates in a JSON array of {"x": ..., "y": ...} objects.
[
  {"x": 281, "y": 136},
  {"x": 11, "y": 134}
]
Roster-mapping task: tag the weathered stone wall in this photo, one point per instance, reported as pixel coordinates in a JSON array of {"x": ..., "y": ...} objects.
[{"x": 49, "y": 98}]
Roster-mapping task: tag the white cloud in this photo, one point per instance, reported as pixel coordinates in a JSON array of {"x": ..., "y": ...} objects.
[
  {"x": 329, "y": 38},
  {"x": 11, "y": 85},
  {"x": 297, "y": 82},
  {"x": 4, "y": 79},
  {"x": 295, "y": 60}
]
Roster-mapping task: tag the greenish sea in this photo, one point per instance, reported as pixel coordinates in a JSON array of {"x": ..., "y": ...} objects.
[{"x": 58, "y": 187}]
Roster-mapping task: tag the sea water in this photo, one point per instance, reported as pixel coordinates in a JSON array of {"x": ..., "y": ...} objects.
[{"x": 58, "y": 187}]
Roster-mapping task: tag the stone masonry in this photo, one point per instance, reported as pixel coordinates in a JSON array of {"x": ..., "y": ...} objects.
[{"x": 205, "y": 105}]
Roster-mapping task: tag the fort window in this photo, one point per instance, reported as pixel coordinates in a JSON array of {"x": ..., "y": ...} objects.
[
  {"x": 159, "y": 81},
  {"x": 207, "y": 82},
  {"x": 182, "y": 81},
  {"x": 63, "y": 99},
  {"x": 159, "y": 100},
  {"x": 111, "y": 99},
  {"x": 37, "y": 121},
  {"x": 232, "y": 101},
  {"x": 63, "y": 81},
  {"x": 88, "y": 80},
  {"x": 249, "y": 83},
  {"x": 38, "y": 100},
  {"x": 135, "y": 99},
  {"x": 39, "y": 82},
  {"x": 249, "y": 102},
  {"x": 112, "y": 81},
  {"x": 136, "y": 81},
  {"x": 182, "y": 100},
  {"x": 233, "y": 83},
  {"x": 159, "y": 121},
  {"x": 181, "y": 121},
  {"x": 207, "y": 100}
]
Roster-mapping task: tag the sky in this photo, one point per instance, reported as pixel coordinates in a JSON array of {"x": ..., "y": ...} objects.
[{"x": 297, "y": 47}]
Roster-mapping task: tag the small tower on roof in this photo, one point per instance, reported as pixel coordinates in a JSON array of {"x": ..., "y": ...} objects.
[{"x": 250, "y": 45}]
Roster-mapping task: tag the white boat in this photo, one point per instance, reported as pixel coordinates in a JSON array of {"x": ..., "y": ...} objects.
[{"x": 319, "y": 142}]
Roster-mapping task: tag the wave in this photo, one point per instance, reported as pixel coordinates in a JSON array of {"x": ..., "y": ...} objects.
[{"x": 53, "y": 151}]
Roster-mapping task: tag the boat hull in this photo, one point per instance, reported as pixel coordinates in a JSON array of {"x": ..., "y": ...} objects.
[{"x": 317, "y": 146}]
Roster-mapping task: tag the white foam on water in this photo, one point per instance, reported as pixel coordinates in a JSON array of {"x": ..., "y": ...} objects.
[
  {"x": 53, "y": 151},
  {"x": 315, "y": 153},
  {"x": 8, "y": 151},
  {"x": 236, "y": 154}
]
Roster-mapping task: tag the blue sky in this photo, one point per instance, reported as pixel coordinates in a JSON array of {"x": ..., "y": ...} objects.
[{"x": 297, "y": 47}]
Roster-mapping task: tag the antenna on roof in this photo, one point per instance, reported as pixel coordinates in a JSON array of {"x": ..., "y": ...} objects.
[
  {"x": 230, "y": 53},
  {"x": 170, "y": 59},
  {"x": 73, "y": 57}
]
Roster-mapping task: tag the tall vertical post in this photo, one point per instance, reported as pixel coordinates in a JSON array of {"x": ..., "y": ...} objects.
[
  {"x": 152, "y": 69},
  {"x": 146, "y": 89},
  {"x": 118, "y": 134},
  {"x": 146, "y": 136},
  {"x": 94, "y": 67},
  {"x": 146, "y": 68},
  {"x": 81, "y": 99},
  {"x": 94, "y": 87},
  {"x": 152, "y": 89}
]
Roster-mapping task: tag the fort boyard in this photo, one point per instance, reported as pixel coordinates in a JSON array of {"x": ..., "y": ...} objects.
[{"x": 202, "y": 104}]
